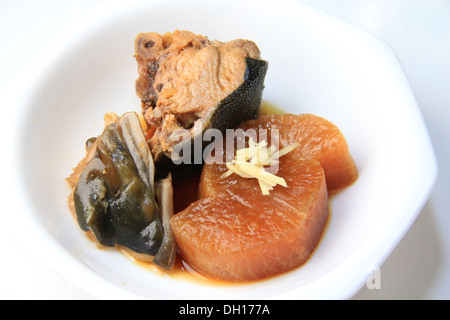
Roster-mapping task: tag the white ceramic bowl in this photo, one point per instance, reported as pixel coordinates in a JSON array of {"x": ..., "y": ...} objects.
[{"x": 317, "y": 64}]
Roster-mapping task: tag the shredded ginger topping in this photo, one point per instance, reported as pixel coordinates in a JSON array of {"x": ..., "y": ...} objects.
[{"x": 251, "y": 162}]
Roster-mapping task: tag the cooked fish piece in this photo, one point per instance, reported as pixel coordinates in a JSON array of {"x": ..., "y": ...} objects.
[{"x": 187, "y": 81}]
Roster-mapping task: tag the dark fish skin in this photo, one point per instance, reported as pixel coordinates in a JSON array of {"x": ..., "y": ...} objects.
[{"x": 243, "y": 103}]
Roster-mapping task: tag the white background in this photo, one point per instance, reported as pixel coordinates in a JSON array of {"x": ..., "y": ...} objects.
[{"x": 418, "y": 31}]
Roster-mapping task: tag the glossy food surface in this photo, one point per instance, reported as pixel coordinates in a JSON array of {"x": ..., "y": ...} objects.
[
  {"x": 318, "y": 139},
  {"x": 241, "y": 235}
]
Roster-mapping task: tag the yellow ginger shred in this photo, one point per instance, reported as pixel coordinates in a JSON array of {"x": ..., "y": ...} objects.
[{"x": 250, "y": 163}]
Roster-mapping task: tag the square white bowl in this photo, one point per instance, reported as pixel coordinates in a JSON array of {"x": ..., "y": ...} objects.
[{"x": 317, "y": 64}]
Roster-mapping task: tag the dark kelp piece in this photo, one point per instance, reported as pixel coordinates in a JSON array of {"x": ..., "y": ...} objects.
[
  {"x": 165, "y": 258},
  {"x": 114, "y": 197}
]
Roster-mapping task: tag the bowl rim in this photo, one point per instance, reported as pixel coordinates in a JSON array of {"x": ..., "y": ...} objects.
[{"x": 63, "y": 263}]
